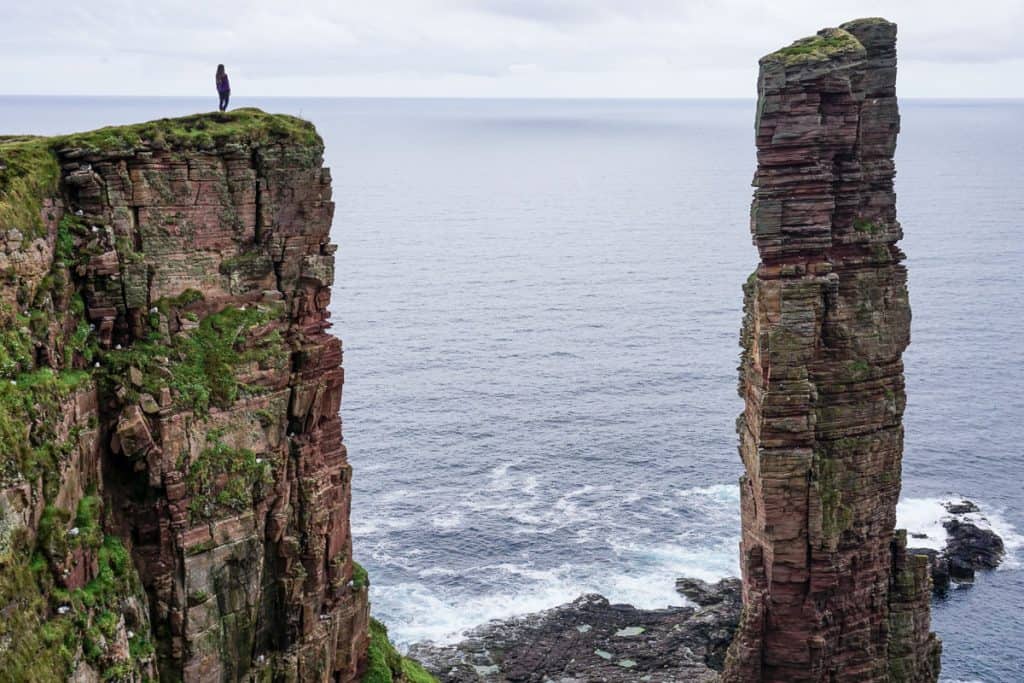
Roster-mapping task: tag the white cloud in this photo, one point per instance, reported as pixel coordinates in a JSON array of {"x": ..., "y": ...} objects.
[{"x": 512, "y": 48}]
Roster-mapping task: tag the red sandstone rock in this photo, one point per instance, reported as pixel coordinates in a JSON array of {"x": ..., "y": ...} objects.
[
  {"x": 829, "y": 592},
  {"x": 235, "y": 509}
]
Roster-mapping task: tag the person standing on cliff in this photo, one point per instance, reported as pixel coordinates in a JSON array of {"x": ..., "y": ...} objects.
[{"x": 223, "y": 87}]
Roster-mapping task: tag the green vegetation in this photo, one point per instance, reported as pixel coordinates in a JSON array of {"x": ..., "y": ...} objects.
[
  {"x": 29, "y": 170},
  {"x": 28, "y": 173},
  {"x": 45, "y": 624},
  {"x": 198, "y": 131},
  {"x": 360, "y": 577},
  {"x": 223, "y": 478},
  {"x": 387, "y": 665},
  {"x": 820, "y": 47},
  {"x": 857, "y": 370},
  {"x": 17, "y": 350},
  {"x": 29, "y": 417},
  {"x": 826, "y": 478},
  {"x": 201, "y": 366},
  {"x": 870, "y": 227},
  {"x": 88, "y": 522},
  {"x": 50, "y": 623}
]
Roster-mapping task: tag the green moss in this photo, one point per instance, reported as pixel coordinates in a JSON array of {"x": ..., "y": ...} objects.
[
  {"x": 88, "y": 522},
  {"x": 198, "y": 131},
  {"x": 29, "y": 415},
  {"x": 200, "y": 548},
  {"x": 121, "y": 672},
  {"x": 39, "y": 641},
  {"x": 856, "y": 370},
  {"x": 201, "y": 366},
  {"x": 223, "y": 479},
  {"x": 140, "y": 647},
  {"x": 17, "y": 349},
  {"x": 825, "y": 45},
  {"x": 256, "y": 261},
  {"x": 71, "y": 231},
  {"x": 82, "y": 345},
  {"x": 28, "y": 174},
  {"x": 826, "y": 478},
  {"x": 386, "y": 665},
  {"x": 869, "y": 227},
  {"x": 360, "y": 577}
]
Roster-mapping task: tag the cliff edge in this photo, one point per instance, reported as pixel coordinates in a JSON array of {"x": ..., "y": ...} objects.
[
  {"x": 829, "y": 591},
  {"x": 174, "y": 490}
]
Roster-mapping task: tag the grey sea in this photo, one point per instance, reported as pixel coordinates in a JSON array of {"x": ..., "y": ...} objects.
[{"x": 540, "y": 303}]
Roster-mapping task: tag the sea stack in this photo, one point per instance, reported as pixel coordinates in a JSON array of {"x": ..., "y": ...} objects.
[
  {"x": 829, "y": 591},
  {"x": 174, "y": 491}
]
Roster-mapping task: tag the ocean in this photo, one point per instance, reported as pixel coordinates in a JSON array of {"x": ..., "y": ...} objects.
[{"x": 540, "y": 303}]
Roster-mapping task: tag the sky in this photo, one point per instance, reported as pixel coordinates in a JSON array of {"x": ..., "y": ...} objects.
[{"x": 481, "y": 48}]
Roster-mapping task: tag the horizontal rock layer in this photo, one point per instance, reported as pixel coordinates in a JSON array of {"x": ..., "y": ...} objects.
[
  {"x": 829, "y": 592},
  {"x": 175, "y": 493}
]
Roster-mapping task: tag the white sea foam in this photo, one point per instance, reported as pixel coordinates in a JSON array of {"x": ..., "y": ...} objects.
[
  {"x": 926, "y": 516},
  {"x": 923, "y": 516},
  {"x": 637, "y": 573}
]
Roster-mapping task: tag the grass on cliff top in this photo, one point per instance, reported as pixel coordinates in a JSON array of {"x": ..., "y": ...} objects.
[
  {"x": 28, "y": 173},
  {"x": 387, "y": 665},
  {"x": 198, "y": 131},
  {"x": 823, "y": 46}
]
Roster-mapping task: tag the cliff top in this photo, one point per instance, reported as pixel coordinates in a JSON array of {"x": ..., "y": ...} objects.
[
  {"x": 196, "y": 131},
  {"x": 29, "y": 169},
  {"x": 829, "y": 42}
]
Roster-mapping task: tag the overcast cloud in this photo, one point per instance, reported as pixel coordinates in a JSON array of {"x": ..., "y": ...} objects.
[{"x": 481, "y": 48}]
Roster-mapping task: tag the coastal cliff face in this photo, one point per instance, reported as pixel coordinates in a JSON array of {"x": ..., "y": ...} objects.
[
  {"x": 829, "y": 592},
  {"x": 174, "y": 498}
]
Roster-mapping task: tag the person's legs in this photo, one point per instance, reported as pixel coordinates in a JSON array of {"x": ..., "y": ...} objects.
[{"x": 223, "y": 104}]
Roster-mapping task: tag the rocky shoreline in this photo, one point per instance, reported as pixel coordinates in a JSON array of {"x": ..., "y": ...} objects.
[{"x": 591, "y": 639}]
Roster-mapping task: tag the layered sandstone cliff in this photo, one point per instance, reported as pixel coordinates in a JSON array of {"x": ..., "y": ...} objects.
[
  {"x": 829, "y": 592},
  {"x": 174, "y": 490}
]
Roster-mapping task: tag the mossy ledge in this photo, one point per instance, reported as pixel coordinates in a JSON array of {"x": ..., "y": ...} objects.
[
  {"x": 387, "y": 665},
  {"x": 826, "y": 44},
  {"x": 29, "y": 168},
  {"x": 247, "y": 126},
  {"x": 173, "y": 482}
]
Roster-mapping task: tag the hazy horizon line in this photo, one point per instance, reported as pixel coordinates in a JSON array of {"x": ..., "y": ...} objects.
[{"x": 473, "y": 98}]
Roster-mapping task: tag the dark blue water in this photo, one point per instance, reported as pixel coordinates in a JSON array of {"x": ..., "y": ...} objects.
[{"x": 540, "y": 303}]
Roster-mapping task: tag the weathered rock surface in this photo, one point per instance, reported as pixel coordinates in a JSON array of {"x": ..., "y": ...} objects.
[
  {"x": 971, "y": 545},
  {"x": 829, "y": 591},
  {"x": 175, "y": 492},
  {"x": 591, "y": 640}
]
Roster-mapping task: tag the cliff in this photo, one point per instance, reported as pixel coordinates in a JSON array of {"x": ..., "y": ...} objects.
[
  {"x": 829, "y": 591},
  {"x": 174, "y": 490}
]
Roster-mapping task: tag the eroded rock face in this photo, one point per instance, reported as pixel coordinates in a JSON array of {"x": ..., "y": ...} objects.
[
  {"x": 181, "y": 311},
  {"x": 829, "y": 591}
]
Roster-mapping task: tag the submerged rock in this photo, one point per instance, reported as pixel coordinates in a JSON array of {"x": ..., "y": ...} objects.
[{"x": 591, "y": 639}]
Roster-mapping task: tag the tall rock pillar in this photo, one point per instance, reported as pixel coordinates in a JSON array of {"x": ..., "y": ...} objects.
[{"x": 829, "y": 592}]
